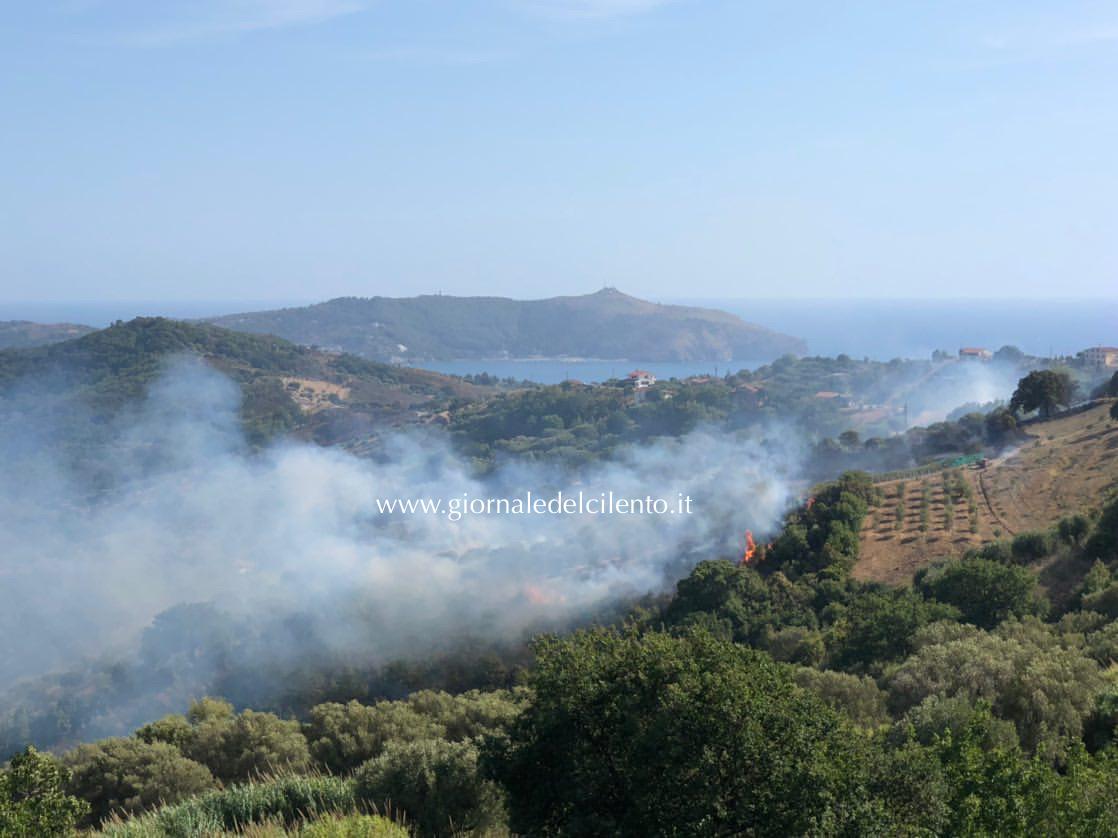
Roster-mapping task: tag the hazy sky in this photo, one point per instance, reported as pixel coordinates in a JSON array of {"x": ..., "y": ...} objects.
[{"x": 281, "y": 149}]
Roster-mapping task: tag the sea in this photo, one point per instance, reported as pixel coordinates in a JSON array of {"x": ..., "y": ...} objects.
[{"x": 876, "y": 329}]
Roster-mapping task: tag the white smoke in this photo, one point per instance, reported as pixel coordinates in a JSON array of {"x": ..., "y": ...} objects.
[{"x": 191, "y": 515}]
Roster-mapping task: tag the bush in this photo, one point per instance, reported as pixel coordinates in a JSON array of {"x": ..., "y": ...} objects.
[
  {"x": 1073, "y": 529},
  {"x": 985, "y": 592},
  {"x": 1031, "y": 547},
  {"x": 472, "y": 714},
  {"x": 656, "y": 735},
  {"x": 130, "y": 775},
  {"x": 288, "y": 800},
  {"x": 1023, "y": 672},
  {"x": 1104, "y": 601},
  {"x": 353, "y": 826},
  {"x": 879, "y": 625},
  {"x": 858, "y": 697},
  {"x": 234, "y": 747},
  {"x": 343, "y": 736},
  {"x": 436, "y": 783},
  {"x": 33, "y": 800},
  {"x": 937, "y": 716}
]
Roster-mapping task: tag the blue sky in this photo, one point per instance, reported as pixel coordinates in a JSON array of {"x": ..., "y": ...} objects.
[{"x": 299, "y": 149}]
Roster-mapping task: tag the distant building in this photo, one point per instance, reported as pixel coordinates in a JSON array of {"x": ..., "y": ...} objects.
[
  {"x": 750, "y": 395},
  {"x": 975, "y": 353},
  {"x": 1100, "y": 356},
  {"x": 641, "y": 379}
]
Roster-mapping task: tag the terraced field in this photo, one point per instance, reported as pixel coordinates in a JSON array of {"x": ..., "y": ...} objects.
[{"x": 1064, "y": 466}]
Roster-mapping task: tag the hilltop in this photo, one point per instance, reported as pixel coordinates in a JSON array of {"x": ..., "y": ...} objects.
[
  {"x": 21, "y": 334},
  {"x": 332, "y": 398},
  {"x": 1062, "y": 467},
  {"x": 607, "y": 324}
]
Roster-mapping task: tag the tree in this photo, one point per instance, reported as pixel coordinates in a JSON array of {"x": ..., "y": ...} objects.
[
  {"x": 1042, "y": 390},
  {"x": 343, "y": 736},
  {"x": 233, "y": 747},
  {"x": 878, "y": 626},
  {"x": 1114, "y": 411},
  {"x": 1022, "y": 670},
  {"x": 129, "y": 775},
  {"x": 436, "y": 783},
  {"x": 1010, "y": 354},
  {"x": 659, "y": 735},
  {"x": 33, "y": 799},
  {"x": 985, "y": 592},
  {"x": 1000, "y": 425}
]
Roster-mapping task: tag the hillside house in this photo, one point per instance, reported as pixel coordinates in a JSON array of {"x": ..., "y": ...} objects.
[
  {"x": 641, "y": 379},
  {"x": 975, "y": 353},
  {"x": 1100, "y": 356}
]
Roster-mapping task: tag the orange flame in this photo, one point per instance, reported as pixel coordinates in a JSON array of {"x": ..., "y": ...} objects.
[{"x": 750, "y": 549}]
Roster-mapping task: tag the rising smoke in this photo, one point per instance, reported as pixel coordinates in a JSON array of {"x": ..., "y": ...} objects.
[{"x": 186, "y": 513}]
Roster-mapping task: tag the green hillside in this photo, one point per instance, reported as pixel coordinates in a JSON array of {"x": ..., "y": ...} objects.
[
  {"x": 607, "y": 324},
  {"x": 21, "y": 334},
  {"x": 330, "y": 397}
]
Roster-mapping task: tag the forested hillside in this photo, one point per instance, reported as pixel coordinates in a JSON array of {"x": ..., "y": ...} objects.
[
  {"x": 21, "y": 334},
  {"x": 779, "y": 698},
  {"x": 285, "y": 388},
  {"x": 607, "y": 324}
]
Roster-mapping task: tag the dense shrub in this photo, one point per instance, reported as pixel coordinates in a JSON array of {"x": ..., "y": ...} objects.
[
  {"x": 657, "y": 735},
  {"x": 1030, "y": 547},
  {"x": 233, "y": 746},
  {"x": 33, "y": 798},
  {"x": 343, "y": 736},
  {"x": 436, "y": 783},
  {"x": 858, "y": 696},
  {"x": 878, "y": 625},
  {"x": 1026, "y": 676},
  {"x": 129, "y": 775},
  {"x": 985, "y": 592},
  {"x": 287, "y": 800}
]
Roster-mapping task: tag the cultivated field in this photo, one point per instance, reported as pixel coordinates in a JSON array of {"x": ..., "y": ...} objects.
[{"x": 1065, "y": 466}]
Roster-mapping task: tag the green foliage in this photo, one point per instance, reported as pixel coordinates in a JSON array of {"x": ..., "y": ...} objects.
[
  {"x": 823, "y": 534},
  {"x": 343, "y": 736},
  {"x": 611, "y": 743},
  {"x": 937, "y": 717},
  {"x": 1023, "y": 671},
  {"x": 232, "y": 746},
  {"x": 985, "y": 592},
  {"x": 1073, "y": 529},
  {"x": 1103, "y": 543},
  {"x": 436, "y": 784},
  {"x": 472, "y": 714},
  {"x": 1104, "y": 601},
  {"x": 129, "y": 775},
  {"x": 287, "y": 800},
  {"x": 877, "y": 625},
  {"x": 1031, "y": 546},
  {"x": 353, "y": 826},
  {"x": 858, "y": 697},
  {"x": 33, "y": 798},
  {"x": 738, "y": 602},
  {"x": 1042, "y": 390}
]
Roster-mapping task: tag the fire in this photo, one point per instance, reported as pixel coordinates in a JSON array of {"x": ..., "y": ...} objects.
[{"x": 750, "y": 549}]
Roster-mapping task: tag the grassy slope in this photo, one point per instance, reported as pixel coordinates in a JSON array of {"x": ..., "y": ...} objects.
[{"x": 1064, "y": 467}]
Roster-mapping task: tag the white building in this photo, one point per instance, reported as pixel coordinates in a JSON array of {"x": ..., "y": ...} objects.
[{"x": 1100, "y": 356}]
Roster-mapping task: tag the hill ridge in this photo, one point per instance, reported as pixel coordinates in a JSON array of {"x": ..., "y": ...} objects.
[{"x": 605, "y": 324}]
